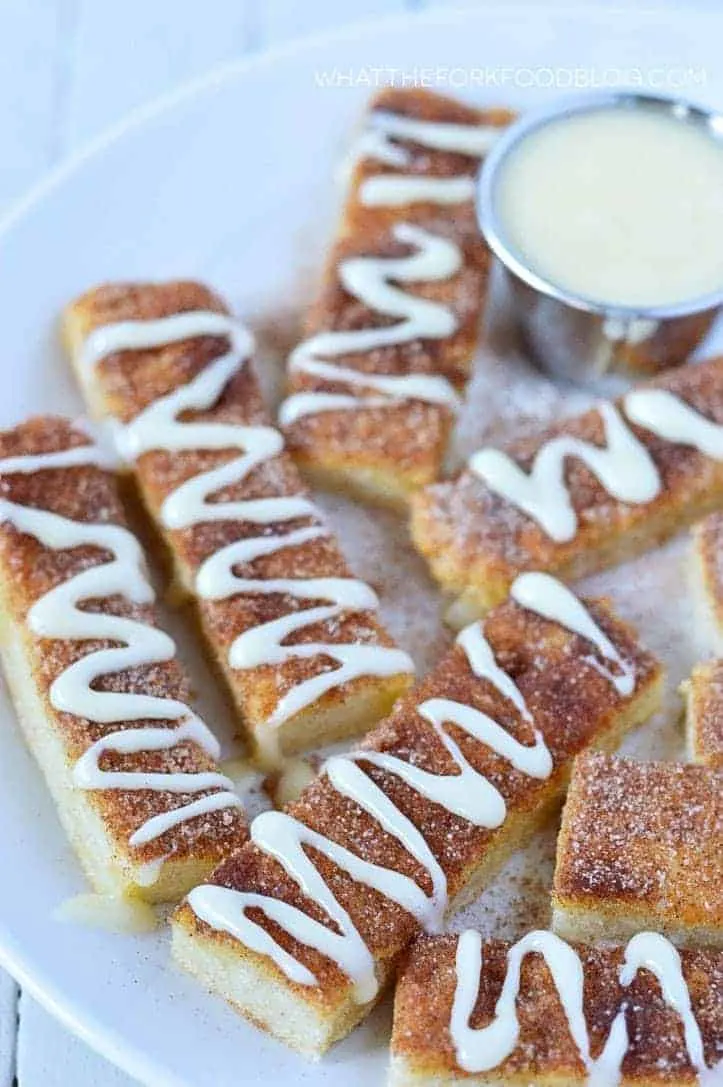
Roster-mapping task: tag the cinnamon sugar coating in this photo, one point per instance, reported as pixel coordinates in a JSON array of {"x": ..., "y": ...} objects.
[
  {"x": 398, "y": 447},
  {"x": 546, "y": 1052},
  {"x": 28, "y": 570},
  {"x": 476, "y": 542},
  {"x": 129, "y": 381},
  {"x": 573, "y": 707},
  {"x": 641, "y": 846}
]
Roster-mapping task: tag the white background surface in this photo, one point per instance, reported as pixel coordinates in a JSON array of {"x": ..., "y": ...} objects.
[{"x": 68, "y": 69}]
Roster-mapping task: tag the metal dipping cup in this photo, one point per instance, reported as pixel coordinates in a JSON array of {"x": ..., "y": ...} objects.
[{"x": 571, "y": 336}]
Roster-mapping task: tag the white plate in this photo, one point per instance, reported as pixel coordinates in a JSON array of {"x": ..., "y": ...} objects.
[{"x": 225, "y": 182}]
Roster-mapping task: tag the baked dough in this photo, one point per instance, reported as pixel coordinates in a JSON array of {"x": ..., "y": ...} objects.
[
  {"x": 464, "y": 770},
  {"x": 73, "y": 592},
  {"x": 295, "y": 637},
  {"x": 428, "y": 1050},
  {"x": 411, "y": 202},
  {"x": 640, "y": 848},
  {"x": 587, "y": 493}
]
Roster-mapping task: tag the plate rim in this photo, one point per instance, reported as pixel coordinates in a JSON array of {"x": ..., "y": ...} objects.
[
  {"x": 101, "y": 1037},
  {"x": 104, "y": 1041},
  {"x": 227, "y": 71}
]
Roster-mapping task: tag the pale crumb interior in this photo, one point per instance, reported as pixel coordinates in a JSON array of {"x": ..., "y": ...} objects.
[
  {"x": 367, "y": 484},
  {"x": 589, "y": 925},
  {"x": 251, "y": 988}
]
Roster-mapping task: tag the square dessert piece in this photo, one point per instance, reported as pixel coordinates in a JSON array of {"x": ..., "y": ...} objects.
[
  {"x": 101, "y": 697},
  {"x": 703, "y": 694},
  {"x": 374, "y": 387},
  {"x": 643, "y": 1015},
  {"x": 640, "y": 847},
  {"x": 295, "y": 636},
  {"x": 301, "y": 930},
  {"x": 586, "y": 493}
]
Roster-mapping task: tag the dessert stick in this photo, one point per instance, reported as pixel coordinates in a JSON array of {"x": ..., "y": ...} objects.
[
  {"x": 543, "y": 1011},
  {"x": 99, "y": 693},
  {"x": 295, "y": 636},
  {"x": 301, "y": 929},
  {"x": 587, "y": 493},
  {"x": 640, "y": 847},
  {"x": 374, "y": 387}
]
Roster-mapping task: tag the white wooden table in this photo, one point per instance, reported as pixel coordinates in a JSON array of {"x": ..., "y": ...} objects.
[{"x": 68, "y": 69}]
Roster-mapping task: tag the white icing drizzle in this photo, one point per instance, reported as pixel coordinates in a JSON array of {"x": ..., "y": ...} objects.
[
  {"x": 670, "y": 418},
  {"x": 264, "y": 644},
  {"x": 145, "y": 335},
  {"x": 369, "y": 279},
  {"x": 88, "y": 775},
  {"x": 549, "y": 598},
  {"x": 61, "y": 458},
  {"x": 482, "y": 662},
  {"x": 159, "y": 427},
  {"x": 473, "y": 140},
  {"x": 58, "y": 615},
  {"x": 485, "y": 1048},
  {"x": 398, "y": 190},
  {"x": 373, "y": 144},
  {"x": 465, "y": 792},
  {"x": 205, "y": 805},
  {"x": 623, "y": 466}
]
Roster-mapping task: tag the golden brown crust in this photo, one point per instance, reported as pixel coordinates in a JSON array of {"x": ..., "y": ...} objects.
[
  {"x": 28, "y": 570},
  {"x": 573, "y": 707},
  {"x": 125, "y": 384},
  {"x": 641, "y": 845},
  {"x": 546, "y": 1052},
  {"x": 704, "y": 713},
  {"x": 707, "y": 540},
  {"x": 476, "y": 542},
  {"x": 401, "y": 447}
]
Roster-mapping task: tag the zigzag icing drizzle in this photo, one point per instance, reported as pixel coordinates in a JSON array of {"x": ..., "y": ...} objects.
[
  {"x": 58, "y": 615},
  {"x": 466, "y": 793},
  {"x": 385, "y": 190},
  {"x": 371, "y": 279},
  {"x": 159, "y": 427},
  {"x": 485, "y": 1048},
  {"x": 623, "y": 465}
]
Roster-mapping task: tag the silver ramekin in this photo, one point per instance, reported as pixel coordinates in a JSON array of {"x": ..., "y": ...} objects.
[{"x": 572, "y": 336}]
